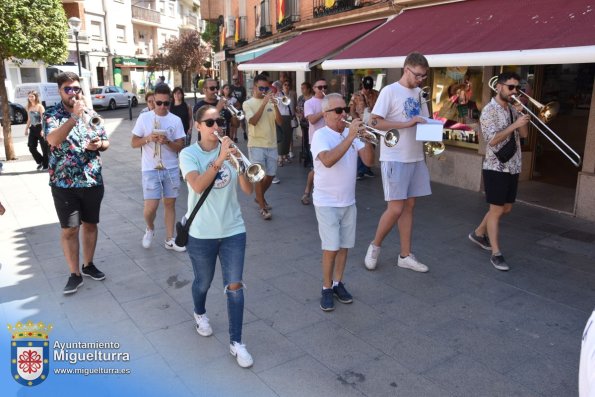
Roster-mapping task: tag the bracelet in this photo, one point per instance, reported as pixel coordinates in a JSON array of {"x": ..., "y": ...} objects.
[
  {"x": 215, "y": 167},
  {"x": 75, "y": 117}
]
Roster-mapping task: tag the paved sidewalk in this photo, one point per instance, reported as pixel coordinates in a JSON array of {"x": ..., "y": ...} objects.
[{"x": 463, "y": 329}]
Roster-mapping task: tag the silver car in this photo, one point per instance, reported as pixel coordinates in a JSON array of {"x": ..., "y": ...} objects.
[{"x": 111, "y": 97}]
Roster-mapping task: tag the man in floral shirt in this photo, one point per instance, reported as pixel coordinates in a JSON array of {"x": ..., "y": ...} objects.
[
  {"x": 500, "y": 122},
  {"x": 75, "y": 177}
]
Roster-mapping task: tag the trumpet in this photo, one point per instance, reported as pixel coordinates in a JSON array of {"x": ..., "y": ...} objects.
[
  {"x": 425, "y": 95},
  {"x": 391, "y": 137},
  {"x": 546, "y": 113},
  {"x": 92, "y": 119},
  {"x": 157, "y": 150},
  {"x": 285, "y": 101},
  {"x": 253, "y": 171},
  {"x": 232, "y": 109}
]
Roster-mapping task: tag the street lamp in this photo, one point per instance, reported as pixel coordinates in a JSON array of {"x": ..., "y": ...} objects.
[{"x": 75, "y": 26}]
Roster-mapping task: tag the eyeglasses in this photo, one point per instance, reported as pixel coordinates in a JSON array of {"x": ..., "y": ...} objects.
[
  {"x": 213, "y": 87},
  {"x": 211, "y": 122},
  {"x": 263, "y": 89},
  {"x": 339, "y": 110},
  {"x": 164, "y": 103},
  {"x": 513, "y": 87},
  {"x": 72, "y": 90},
  {"x": 321, "y": 87},
  {"x": 418, "y": 76}
]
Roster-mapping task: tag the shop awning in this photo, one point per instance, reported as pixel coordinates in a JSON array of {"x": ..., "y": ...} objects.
[
  {"x": 251, "y": 54},
  {"x": 480, "y": 33},
  {"x": 310, "y": 48}
]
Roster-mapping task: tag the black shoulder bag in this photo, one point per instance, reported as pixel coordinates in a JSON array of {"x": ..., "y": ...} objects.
[
  {"x": 182, "y": 230},
  {"x": 509, "y": 148}
]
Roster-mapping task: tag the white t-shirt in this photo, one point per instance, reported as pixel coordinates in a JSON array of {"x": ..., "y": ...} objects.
[
  {"x": 401, "y": 104},
  {"x": 313, "y": 106},
  {"x": 220, "y": 215},
  {"x": 586, "y": 372},
  {"x": 335, "y": 186},
  {"x": 171, "y": 125}
]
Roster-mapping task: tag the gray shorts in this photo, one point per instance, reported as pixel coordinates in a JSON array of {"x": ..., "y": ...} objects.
[
  {"x": 267, "y": 157},
  {"x": 401, "y": 181},
  {"x": 336, "y": 226}
]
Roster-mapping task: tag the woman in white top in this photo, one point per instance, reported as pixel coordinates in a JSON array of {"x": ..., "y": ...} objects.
[
  {"x": 218, "y": 229},
  {"x": 33, "y": 128}
]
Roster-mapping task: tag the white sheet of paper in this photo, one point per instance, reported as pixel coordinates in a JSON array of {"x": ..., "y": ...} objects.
[{"x": 430, "y": 131}]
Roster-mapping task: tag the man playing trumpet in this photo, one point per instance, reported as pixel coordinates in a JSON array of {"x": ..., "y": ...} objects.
[
  {"x": 335, "y": 150},
  {"x": 161, "y": 136}
]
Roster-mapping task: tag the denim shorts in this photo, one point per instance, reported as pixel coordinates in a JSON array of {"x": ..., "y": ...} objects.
[
  {"x": 401, "y": 181},
  {"x": 267, "y": 157},
  {"x": 158, "y": 184},
  {"x": 336, "y": 226}
]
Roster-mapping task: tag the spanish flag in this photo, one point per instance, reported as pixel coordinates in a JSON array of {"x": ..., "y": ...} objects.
[
  {"x": 329, "y": 3},
  {"x": 222, "y": 37},
  {"x": 237, "y": 30},
  {"x": 281, "y": 8}
]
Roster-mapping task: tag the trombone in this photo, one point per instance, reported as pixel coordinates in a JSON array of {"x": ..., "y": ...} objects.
[
  {"x": 157, "y": 150},
  {"x": 432, "y": 149},
  {"x": 391, "y": 137},
  {"x": 232, "y": 109},
  {"x": 545, "y": 114},
  {"x": 425, "y": 95},
  {"x": 253, "y": 171}
]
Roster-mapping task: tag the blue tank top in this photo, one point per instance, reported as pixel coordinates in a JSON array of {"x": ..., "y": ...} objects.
[{"x": 35, "y": 117}]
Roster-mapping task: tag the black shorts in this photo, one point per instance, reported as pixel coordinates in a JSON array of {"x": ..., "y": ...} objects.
[
  {"x": 500, "y": 187},
  {"x": 76, "y": 205}
]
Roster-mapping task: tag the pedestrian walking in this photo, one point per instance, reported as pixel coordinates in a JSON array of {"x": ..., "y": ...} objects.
[{"x": 34, "y": 130}]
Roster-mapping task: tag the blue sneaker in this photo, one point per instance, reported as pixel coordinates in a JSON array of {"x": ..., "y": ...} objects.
[
  {"x": 341, "y": 293},
  {"x": 326, "y": 301}
]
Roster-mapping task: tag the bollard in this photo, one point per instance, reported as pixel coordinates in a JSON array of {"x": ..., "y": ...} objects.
[{"x": 130, "y": 108}]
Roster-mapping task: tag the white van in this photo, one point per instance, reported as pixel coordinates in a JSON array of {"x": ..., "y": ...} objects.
[{"x": 48, "y": 93}]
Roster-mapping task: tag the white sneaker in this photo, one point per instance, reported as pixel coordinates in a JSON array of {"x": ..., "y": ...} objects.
[
  {"x": 238, "y": 350},
  {"x": 372, "y": 257},
  {"x": 202, "y": 325},
  {"x": 148, "y": 238},
  {"x": 410, "y": 262},
  {"x": 276, "y": 180},
  {"x": 171, "y": 245}
]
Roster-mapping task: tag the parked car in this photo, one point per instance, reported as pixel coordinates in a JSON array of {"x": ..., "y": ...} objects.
[
  {"x": 111, "y": 97},
  {"x": 18, "y": 114}
]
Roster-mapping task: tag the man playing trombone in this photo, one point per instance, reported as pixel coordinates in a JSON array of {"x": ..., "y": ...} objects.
[
  {"x": 500, "y": 122},
  {"x": 405, "y": 174},
  {"x": 335, "y": 150},
  {"x": 161, "y": 136}
]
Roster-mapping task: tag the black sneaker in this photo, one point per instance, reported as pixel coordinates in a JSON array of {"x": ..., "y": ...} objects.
[
  {"x": 73, "y": 284},
  {"x": 499, "y": 262},
  {"x": 369, "y": 174},
  {"x": 482, "y": 241},
  {"x": 326, "y": 301},
  {"x": 360, "y": 176},
  {"x": 91, "y": 271},
  {"x": 341, "y": 293}
]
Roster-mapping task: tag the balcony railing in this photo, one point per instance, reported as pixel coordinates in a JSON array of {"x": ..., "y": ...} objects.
[
  {"x": 146, "y": 14},
  {"x": 321, "y": 10},
  {"x": 192, "y": 21},
  {"x": 292, "y": 14}
]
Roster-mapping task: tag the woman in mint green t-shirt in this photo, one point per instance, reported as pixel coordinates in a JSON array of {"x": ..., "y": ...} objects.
[{"x": 218, "y": 229}]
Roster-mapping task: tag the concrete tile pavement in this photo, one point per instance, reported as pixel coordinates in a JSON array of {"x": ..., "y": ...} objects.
[{"x": 462, "y": 329}]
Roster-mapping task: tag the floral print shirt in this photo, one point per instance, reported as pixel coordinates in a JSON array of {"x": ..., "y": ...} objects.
[
  {"x": 70, "y": 165},
  {"x": 359, "y": 102},
  {"x": 494, "y": 118}
]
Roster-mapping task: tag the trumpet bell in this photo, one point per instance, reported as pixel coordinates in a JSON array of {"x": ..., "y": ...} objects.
[
  {"x": 391, "y": 138},
  {"x": 432, "y": 149},
  {"x": 255, "y": 173}
]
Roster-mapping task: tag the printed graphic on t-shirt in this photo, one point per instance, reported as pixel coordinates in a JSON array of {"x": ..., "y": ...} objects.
[
  {"x": 223, "y": 177},
  {"x": 411, "y": 108}
]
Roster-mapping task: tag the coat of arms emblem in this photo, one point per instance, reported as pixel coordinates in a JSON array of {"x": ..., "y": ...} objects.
[{"x": 29, "y": 353}]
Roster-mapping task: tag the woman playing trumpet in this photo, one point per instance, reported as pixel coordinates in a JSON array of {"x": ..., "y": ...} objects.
[{"x": 218, "y": 229}]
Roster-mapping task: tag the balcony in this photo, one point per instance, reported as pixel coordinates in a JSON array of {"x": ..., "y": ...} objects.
[
  {"x": 241, "y": 33},
  {"x": 292, "y": 15},
  {"x": 192, "y": 20},
  {"x": 321, "y": 10},
  {"x": 146, "y": 14}
]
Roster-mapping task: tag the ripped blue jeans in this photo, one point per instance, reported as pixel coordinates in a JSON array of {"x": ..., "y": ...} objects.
[{"x": 203, "y": 255}]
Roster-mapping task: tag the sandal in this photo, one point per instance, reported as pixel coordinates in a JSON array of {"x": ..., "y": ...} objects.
[
  {"x": 306, "y": 199},
  {"x": 266, "y": 205},
  {"x": 266, "y": 215}
]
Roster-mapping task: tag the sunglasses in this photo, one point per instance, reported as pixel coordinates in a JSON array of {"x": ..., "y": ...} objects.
[
  {"x": 263, "y": 89},
  {"x": 418, "y": 76},
  {"x": 339, "y": 110},
  {"x": 72, "y": 90},
  {"x": 321, "y": 87},
  {"x": 213, "y": 88},
  {"x": 211, "y": 122},
  {"x": 513, "y": 87},
  {"x": 164, "y": 103}
]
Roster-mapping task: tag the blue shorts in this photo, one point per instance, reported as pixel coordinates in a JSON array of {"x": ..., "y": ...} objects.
[
  {"x": 401, "y": 181},
  {"x": 336, "y": 226},
  {"x": 158, "y": 184},
  {"x": 267, "y": 157}
]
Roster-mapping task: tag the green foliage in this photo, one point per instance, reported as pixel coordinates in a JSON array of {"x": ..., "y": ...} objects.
[
  {"x": 211, "y": 35},
  {"x": 33, "y": 29}
]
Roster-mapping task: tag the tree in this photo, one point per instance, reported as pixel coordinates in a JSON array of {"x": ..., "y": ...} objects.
[
  {"x": 29, "y": 29},
  {"x": 183, "y": 54}
]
